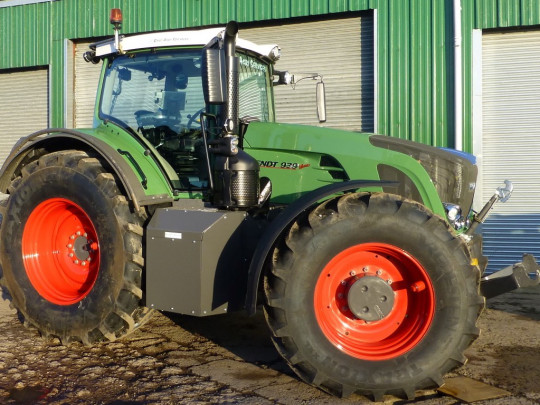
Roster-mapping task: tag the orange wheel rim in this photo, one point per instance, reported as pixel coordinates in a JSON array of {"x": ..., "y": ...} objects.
[
  {"x": 60, "y": 251},
  {"x": 374, "y": 301}
]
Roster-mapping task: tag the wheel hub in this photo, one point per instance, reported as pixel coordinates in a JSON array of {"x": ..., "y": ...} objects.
[
  {"x": 370, "y": 298},
  {"x": 80, "y": 248}
]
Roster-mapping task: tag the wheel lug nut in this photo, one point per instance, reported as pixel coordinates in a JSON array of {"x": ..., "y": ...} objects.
[
  {"x": 76, "y": 262},
  {"x": 85, "y": 234},
  {"x": 379, "y": 272},
  {"x": 83, "y": 263},
  {"x": 353, "y": 273},
  {"x": 72, "y": 237},
  {"x": 69, "y": 246},
  {"x": 365, "y": 269},
  {"x": 78, "y": 233},
  {"x": 71, "y": 255}
]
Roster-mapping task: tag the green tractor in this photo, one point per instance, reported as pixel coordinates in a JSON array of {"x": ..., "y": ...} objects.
[{"x": 187, "y": 197}]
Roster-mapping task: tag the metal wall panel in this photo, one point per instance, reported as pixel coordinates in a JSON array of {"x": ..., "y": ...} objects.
[
  {"x": 27, "y": 32},
  {"x": 511, "y": 143},
  {"x": 23, "y": 106},
  {"x": 505, "y": 13},
  {"x": 483, "y": 14},
  {"x": 341, "y": 50},
  {"x": 84, "y": 19},
  {"x": 25, "y": 35},
  {"x": 414, "y": 45},
  {"x": 86, "y": 78}
]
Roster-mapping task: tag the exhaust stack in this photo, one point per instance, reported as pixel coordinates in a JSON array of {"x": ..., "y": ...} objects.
[
  {"x": 232, "y": 65},
  {"x": 236, "y": 174}
]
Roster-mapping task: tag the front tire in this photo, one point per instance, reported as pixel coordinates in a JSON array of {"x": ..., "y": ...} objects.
[
  {"x": 373, "y": 294},
  {"x": 71, "y": 250}
]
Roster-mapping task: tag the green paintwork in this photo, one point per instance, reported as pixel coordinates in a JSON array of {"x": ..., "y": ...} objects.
[
  {"x": 117, "y": 138},
  {"x": 290, "y": 156},
  {"x": 299, "y": 148}
]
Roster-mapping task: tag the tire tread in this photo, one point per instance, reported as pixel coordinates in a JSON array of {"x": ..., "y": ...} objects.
[
  {"x": 124, "y": 319},
  {"x": 316, "y": 220}
]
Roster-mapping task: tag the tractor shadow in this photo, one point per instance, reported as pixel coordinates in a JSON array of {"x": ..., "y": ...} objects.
[{"x": 247, "y": 337}]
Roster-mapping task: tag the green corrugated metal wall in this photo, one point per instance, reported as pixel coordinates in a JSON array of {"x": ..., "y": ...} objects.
[
  {"x": 413, "y": 85},
  {"x": 25, "y": 35},
  {"x": 414, "y": 45}
]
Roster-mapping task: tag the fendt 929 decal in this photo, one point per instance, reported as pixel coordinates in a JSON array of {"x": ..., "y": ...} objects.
[{"x": 282, "y": 165}]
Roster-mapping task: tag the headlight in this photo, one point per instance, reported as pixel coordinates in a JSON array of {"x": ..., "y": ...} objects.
[
  {"x": 275, "y": 53},
  {"x": 453, "y": 212},
  {"x": 455, "y": 216}
]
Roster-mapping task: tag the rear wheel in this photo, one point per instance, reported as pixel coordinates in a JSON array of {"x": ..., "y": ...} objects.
[
  {"x": 372, "y": 294},
  {"x": 72, "y": 250}
]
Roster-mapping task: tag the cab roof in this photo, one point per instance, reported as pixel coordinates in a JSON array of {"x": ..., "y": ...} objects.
[{"x": 178, "y": 38}]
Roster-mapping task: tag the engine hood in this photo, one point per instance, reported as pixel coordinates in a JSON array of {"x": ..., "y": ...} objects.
[{"x": 426, "y": 174}]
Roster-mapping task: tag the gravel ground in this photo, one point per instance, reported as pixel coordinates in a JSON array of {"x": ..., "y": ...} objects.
[{"x": 230, "y": 360}]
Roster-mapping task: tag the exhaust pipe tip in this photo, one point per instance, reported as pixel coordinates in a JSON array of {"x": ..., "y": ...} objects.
[{"x": 231, "y": 29}]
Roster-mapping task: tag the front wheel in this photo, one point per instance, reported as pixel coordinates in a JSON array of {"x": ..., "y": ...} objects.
[
  {"x": 373, "y": 294},
  {"x": 71, "y": 250}
]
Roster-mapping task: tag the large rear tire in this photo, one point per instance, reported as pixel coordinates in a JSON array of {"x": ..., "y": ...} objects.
[
  {"x": 71, "y": 250},
  {"x": 373, "y": 294}
]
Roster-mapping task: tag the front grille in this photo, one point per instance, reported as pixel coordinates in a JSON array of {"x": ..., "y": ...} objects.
[{"x": 452, "y": 173}]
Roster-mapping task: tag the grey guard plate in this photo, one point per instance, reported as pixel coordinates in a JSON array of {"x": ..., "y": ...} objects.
[{"x": 194, "y": 262}]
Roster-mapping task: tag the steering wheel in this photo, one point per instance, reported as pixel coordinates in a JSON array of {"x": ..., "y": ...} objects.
[
  {"x": 193, "y": 118},
  {"x": 154, "y": 119}
]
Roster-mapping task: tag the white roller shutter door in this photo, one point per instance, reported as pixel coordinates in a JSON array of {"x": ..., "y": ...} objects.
[
  {"x": 86, "y": 84},
  {"x": 23, "y": 106},
  {"x": 341, "y": 50},
  {"x": 511, "y": 143}
]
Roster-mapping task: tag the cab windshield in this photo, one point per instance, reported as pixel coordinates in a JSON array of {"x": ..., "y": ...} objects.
[{"x": 159, "y": 95}]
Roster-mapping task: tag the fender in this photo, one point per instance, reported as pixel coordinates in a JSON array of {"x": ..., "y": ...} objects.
[
  {"x": 275, "y": 229},
  {"x": 132, "y": 180}
]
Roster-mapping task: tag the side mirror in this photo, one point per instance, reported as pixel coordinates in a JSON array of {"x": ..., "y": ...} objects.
[
  {"x": 213, "y": 76},
  {"x": 321, "y": 101}
]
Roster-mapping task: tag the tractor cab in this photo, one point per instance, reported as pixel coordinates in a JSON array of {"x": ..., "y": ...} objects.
[{"x": 153, "y": 87}]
